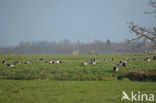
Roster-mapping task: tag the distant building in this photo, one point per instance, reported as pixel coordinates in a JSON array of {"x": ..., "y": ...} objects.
[
  {"x": 154, "y": 51},
  {"x": 75, "y": 52},
  {"x": 150, "y": 51},
  {"x": 92, "y": 52}
]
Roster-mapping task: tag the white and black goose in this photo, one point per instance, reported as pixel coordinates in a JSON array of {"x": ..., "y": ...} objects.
[
  {"x": 93, "y": 61},
  {"x": 154, "y": 58},
  {"x": 115, "y": 69},
  {"x": 122, "y": 63},
  {"x": 147, "y": 59},
  {"x": 4, "y": 62},
  {"x": 17, "y": 62},
  {"x": 10, "y": 65},
  {"x": 28, "y": 62},
  {"x": 85, "y": 63},
  {"x": 40, "y": 59},
  {"x": 49, "y": 61},
  {"x": 57, "y": 62}
]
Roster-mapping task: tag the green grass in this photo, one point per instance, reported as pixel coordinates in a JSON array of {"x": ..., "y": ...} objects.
[
  {"x": 47, "y": 91},
  {"x": 36, "y": 82},
  {"x": 72, "y": 68}
]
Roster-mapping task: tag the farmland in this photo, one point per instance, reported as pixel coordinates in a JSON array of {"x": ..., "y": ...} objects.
[
  {"x": 71, "y": 82},
  {"x": 72, "y": 68},
  {"x": 42, "y": 91}
]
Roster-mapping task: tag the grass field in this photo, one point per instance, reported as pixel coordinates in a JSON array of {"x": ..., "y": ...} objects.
[
  {"x": 71, "y": 82},
  {"x": 42, "y": 91},
  {"x": 72, "y": 68}
]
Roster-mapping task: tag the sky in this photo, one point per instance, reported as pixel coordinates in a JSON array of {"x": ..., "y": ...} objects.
[{"x": 83, "y": 20}]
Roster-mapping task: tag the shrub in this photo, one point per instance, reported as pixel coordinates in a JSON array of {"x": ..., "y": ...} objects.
[
  {"x": 92, "y": 77},
  {"x": 125, "y": 79},
  {"x": 149, "y": 75}
]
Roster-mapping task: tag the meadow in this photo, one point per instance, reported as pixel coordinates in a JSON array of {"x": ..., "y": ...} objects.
[
  {"x": 71, "y": 82},
  {"x": 48, "y": 91},
  {"x": 72, "y": 68}
]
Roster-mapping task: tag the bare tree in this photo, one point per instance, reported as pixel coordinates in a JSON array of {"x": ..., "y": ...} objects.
[
  {"x": 144, "y": 34},
  {"x": 153, "y": 5}
]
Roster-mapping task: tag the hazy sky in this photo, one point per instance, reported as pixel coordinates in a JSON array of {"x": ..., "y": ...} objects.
[{"x": 84, "y": 20}]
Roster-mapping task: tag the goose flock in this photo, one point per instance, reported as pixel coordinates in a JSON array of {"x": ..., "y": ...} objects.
[
  {"x": 30, "y": 62},
  {"x": 92, "y": 61},
  {"x": 123, "y": 63}
]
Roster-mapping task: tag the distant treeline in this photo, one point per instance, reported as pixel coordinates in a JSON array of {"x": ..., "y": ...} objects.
[{"x": 67, "y": 47}]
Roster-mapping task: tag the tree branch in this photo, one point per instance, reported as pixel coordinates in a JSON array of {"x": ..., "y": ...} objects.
[{"x": 144, "y": 35}]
